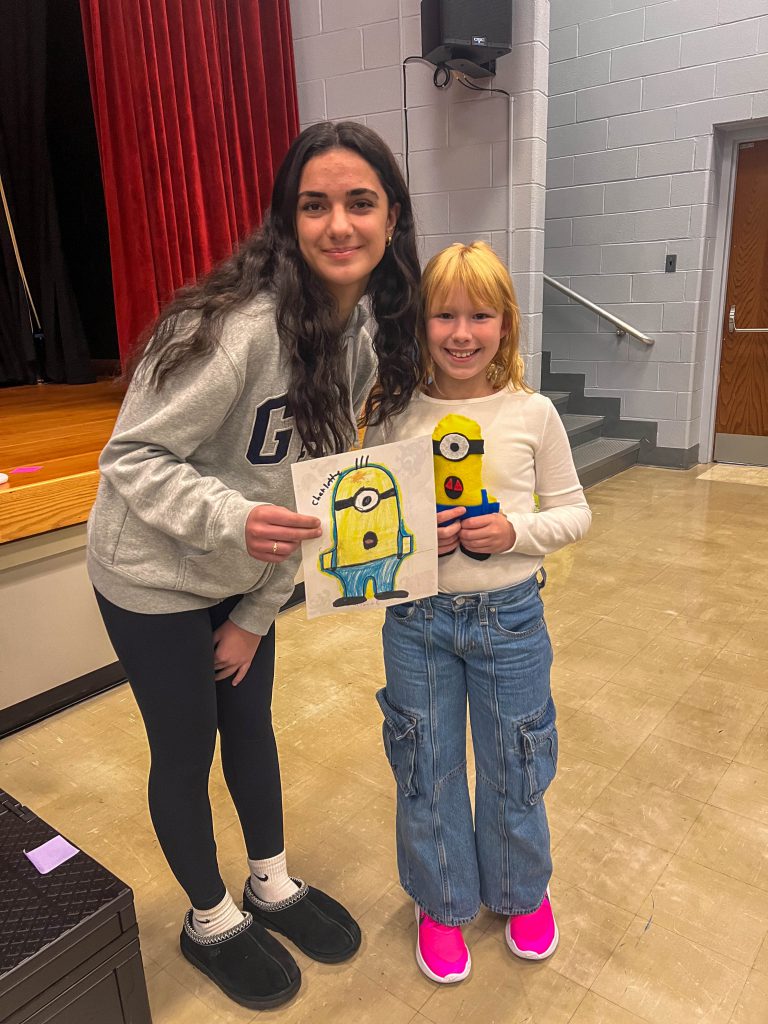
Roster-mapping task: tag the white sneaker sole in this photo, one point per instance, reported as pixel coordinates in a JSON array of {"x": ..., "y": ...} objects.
[
  {"x": 449, "y": 979},
  {"x": 528, "y": 954}
]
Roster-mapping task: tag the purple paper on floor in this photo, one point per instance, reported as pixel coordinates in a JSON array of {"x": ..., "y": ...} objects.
[{"x": 51, "y": 854}]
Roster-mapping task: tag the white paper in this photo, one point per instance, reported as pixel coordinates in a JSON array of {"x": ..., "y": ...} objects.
[{"x": 377, "y": 511}]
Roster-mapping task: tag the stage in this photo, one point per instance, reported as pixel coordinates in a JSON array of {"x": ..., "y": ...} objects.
[
  {"x": 50, "y": 439},
  {"x": 55, "y": 650}
]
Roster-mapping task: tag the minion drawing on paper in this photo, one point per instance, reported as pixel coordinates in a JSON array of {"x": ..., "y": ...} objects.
[
  {"x": 370, "y": 538},
  {"x": 458, "y": 447}
]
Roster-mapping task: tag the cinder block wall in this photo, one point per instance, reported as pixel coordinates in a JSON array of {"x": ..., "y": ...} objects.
[
  {"x": 349, "y": 57},
  {"x": 636, "y": 89}
]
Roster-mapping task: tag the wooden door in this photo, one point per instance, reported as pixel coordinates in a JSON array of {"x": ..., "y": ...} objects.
[{"x": 741, "y": 424}]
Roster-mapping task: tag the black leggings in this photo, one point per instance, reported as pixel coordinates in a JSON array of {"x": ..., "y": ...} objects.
[{"x": 169, "y": 663}]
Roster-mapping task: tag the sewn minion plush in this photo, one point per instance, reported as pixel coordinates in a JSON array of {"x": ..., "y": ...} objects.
[
  {"x": 370, "y": 538},
  {"x": 458, "y": 447}
]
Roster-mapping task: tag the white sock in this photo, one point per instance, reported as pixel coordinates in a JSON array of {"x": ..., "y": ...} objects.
[
  {"x": 270, "y": 880},
  {"x": 218, "y": 919}
]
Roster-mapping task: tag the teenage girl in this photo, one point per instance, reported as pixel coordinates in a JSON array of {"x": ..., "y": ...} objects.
[
  {"x": 194, "y": 540},
  {"x": 482, "y": 639}
]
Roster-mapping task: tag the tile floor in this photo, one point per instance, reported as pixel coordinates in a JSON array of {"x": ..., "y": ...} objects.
[{"x": 659, "y": 812}]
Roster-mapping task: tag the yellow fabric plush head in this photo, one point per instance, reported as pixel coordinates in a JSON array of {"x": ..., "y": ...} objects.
[{"x": 457, "y": 444}]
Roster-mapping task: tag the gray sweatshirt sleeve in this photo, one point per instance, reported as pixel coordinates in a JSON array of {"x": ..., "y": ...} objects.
[
  {"x": 258, "y": 610},
  {"x": 156, "y": 432}
]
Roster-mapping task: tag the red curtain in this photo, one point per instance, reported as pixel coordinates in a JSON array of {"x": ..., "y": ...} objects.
[{"x": 195, "y": 106}]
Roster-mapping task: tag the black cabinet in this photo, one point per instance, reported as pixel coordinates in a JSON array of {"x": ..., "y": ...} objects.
[{"x": 69, "y": 942}]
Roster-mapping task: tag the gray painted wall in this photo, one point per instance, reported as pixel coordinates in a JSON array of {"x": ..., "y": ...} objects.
[
  {"x": 348, "y": 65},
  {"x": 636, "y": 90}
]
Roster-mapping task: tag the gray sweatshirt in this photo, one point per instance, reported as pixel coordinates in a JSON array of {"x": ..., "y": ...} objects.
[{"x": 185, "y": 465}]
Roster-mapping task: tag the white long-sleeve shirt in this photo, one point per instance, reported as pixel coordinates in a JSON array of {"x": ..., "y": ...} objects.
[{"x": 526, "y": 451}]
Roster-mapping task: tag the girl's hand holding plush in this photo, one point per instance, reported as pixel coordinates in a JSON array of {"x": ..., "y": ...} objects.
[
  {"x": 448, "y": 529},
  {"x": 487, "y": 535}
]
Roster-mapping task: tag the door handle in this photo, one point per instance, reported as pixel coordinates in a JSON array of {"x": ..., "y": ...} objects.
[{"x": 733, "y": 329}]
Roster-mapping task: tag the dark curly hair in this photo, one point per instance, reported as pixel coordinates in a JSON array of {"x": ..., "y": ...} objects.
[{"x": 318, "y": 393}]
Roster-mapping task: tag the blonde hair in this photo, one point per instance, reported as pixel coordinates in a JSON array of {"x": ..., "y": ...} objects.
[{"x": 480, "y": 273}]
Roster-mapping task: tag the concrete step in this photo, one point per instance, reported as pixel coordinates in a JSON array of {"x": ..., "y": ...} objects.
[
  {"x": 581, "y": 428},
  {"x": 603, "y": 457},
  {"x": 559, "y": 399}
]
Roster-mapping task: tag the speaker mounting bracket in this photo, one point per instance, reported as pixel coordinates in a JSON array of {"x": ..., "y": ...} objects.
[{"x": 471, "y": 68}]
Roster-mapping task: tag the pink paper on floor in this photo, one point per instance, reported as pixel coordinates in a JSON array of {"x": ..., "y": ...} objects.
[{"x": 51, "y": 854}]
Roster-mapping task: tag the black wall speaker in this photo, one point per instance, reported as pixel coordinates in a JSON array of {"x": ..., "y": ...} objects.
[{"x": 466, "y": 35}]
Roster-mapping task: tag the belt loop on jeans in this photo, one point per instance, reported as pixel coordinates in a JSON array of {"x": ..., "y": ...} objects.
[
  {"x": 543, "y": 582},
  {"x": 429, "y": 612}
]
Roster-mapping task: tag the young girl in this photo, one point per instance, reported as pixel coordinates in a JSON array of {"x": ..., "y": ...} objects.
[
  {"x": 193, "y": 540},
  {"x": 482, "y": 638}
]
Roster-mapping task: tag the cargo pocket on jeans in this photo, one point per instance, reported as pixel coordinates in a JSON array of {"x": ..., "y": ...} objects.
[
  {"x": 539, "y": 752},
  {"x": 399, "y": 732}
]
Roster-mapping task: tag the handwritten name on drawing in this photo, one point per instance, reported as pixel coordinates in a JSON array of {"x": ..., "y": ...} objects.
[{"x": 316, "y": 498}]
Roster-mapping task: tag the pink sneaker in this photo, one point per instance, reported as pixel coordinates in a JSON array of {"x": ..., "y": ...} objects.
[
  {"x": 441, "y": 952},
  {"x": 533, "y": 936}
]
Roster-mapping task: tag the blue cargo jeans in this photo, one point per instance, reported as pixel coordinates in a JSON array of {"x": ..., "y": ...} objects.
[{"x": 490, "y": 650}]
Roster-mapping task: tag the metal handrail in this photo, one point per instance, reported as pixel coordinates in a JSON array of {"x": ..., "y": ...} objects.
[{"x": 622, "y": 328}]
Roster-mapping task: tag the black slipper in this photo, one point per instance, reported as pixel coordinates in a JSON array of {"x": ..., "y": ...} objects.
[
  {"x": 246, "y": 962},
  {"x": 311, "y": 919}
]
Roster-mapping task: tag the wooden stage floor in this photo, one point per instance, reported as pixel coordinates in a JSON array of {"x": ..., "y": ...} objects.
[{"x": 51, "y": 436}]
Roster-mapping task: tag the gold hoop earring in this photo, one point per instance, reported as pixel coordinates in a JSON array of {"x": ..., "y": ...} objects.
[{"x": 389, "y": 241}]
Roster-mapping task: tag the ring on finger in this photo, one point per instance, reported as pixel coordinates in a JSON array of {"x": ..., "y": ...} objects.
[{"x": 274, "y": 547}]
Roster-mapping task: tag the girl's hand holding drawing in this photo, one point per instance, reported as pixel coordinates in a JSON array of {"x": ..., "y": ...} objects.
[
  {"x": 233, "y": 651},
  {"x": 448, "y": 529},
  {"x": 487, "y": 535},
  {"x": 272, "y": 532}
]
